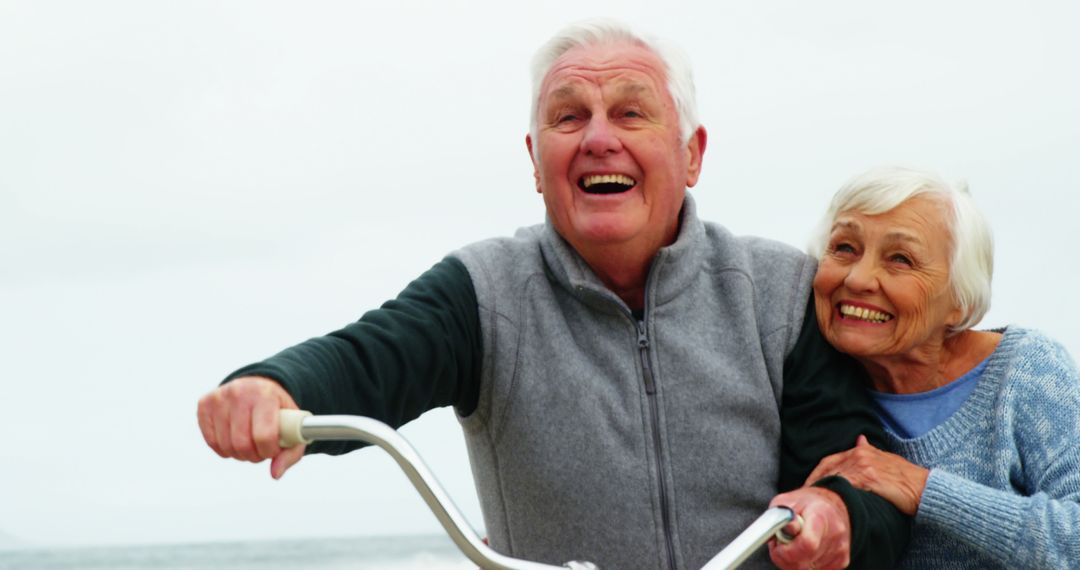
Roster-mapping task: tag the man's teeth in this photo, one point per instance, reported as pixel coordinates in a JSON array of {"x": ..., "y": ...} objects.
[
  {"x": 608, "y": 179},
  {"x": 864, "y": 314}
]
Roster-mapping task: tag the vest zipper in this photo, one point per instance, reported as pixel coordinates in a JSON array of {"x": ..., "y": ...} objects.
[{"x": 650, "y": 391}]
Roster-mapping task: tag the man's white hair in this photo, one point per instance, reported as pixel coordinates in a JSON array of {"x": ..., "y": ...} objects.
[
  {"x": 680, "y": 80},
  {"x": 971, "y": 243}
]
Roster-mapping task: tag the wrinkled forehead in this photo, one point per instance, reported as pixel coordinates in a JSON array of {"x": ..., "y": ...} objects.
[
  {"x": 925, "y": 207},
  {"x": 624, "y": 65},
  {"x": 923, "y": 218}
]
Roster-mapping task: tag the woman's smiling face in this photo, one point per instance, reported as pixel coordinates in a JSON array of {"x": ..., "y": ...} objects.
[{"x": 882, "y": 286}]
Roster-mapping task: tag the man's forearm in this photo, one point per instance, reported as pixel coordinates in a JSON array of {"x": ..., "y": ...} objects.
[
  {"x": 824, "y": 410},
  {"x": 417, "y": 352},
  {"x": 879, "y": 532}
]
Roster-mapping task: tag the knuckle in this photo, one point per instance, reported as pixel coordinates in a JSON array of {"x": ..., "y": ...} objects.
[
  {"x": 209, "y": 402},
  {"x": 783, "y": 556}
]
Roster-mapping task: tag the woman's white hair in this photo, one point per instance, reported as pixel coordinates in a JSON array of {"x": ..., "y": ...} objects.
[
  {"x": 680, "y": 80},
  {"x": 881, "y": 189}
]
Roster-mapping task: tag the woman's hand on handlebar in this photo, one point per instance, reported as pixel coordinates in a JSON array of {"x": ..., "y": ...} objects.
[
  {"x": 824, "y": 541},
  {"x": 240, "y": 420}
]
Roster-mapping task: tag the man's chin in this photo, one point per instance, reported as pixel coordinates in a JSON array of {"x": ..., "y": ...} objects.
[{"x": 603, "y": 233}]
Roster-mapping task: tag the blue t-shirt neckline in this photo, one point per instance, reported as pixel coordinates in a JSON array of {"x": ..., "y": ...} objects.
[{"x": 909, "y": 416}]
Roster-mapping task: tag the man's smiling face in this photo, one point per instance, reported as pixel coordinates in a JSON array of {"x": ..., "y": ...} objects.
[{"x": 608, "y": 155}]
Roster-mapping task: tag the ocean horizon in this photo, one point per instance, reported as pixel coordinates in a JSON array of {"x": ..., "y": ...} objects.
[{"x": 415, "y": 552}]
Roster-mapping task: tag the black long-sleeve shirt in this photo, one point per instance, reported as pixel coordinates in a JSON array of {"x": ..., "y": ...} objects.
[{"x": 423, "y": 350}]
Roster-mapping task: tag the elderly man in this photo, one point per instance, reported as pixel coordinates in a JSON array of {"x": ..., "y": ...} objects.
[{"x": 635, "y": 385}]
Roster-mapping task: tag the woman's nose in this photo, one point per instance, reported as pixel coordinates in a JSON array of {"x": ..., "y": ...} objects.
[
  {"x": 600, "y": 137},
  {"x": 863, "y": 276}
]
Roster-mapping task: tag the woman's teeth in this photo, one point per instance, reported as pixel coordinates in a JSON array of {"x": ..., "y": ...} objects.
[{"x": 861, "y": 313}]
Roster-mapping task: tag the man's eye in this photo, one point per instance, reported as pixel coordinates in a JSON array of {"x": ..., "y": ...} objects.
[
  {"x": 631, "y": 115},
  {"x": 843, "y": 248},
  {"x": 566, "y": 118}
]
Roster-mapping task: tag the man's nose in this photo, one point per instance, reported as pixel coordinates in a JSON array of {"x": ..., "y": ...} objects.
[{"x": 601, "y": 138}]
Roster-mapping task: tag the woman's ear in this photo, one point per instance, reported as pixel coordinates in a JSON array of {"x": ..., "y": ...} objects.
[{"x": 955, "y": 316}]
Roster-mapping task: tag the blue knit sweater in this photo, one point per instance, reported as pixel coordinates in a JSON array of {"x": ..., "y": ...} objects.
[{"x": 1004, "y": 486}]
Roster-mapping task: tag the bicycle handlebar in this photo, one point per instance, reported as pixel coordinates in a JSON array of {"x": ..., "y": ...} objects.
[{"x": 299, "y": 427}]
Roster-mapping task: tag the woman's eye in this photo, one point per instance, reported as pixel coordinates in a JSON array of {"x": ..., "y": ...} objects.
[
  {"x": 900, "y": 258},
  {"x": 843, "y": 248}
]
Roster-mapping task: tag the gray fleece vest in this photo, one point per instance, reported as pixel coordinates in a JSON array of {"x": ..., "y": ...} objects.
[{"x": 631, "y": 445}]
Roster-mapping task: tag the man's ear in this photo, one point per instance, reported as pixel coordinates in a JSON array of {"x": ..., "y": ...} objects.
[
  {"x": 695, "y": 148},
  {"x": 536, "y": 165}
]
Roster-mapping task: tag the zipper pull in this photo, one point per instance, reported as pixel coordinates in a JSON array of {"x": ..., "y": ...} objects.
[{"x": 643, "y": 349}]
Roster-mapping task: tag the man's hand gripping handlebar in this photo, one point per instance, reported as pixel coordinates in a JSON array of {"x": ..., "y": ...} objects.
[{"x": 299, "y": 427}]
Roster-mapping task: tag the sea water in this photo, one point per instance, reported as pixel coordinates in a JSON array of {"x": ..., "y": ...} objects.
[{"x": 383, "y": 553}]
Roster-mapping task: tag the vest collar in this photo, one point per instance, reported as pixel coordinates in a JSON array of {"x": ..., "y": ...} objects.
[{"x": 672, "y": 269}]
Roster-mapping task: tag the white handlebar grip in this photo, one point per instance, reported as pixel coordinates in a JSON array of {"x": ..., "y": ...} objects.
[
  {"x": 783, "y": 537},
  {"x": 289, "y": 422}
]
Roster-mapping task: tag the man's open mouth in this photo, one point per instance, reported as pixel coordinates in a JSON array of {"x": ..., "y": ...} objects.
[{"x": 606, "y": 183}]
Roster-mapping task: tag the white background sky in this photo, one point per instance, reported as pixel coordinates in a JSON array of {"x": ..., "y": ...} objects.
[{"x": 188, "y": 187}]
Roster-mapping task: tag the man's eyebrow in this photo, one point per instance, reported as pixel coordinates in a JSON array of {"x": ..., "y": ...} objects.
[
  {"x": 564, "y": 92},
  {"x": 632, "y": 89}
]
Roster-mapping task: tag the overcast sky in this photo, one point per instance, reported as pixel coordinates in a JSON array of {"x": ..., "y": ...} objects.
[{"x": 188, "y": 187}]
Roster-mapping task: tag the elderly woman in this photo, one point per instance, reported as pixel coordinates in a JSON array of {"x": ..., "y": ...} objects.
[{"x": 984, "y": 425}]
